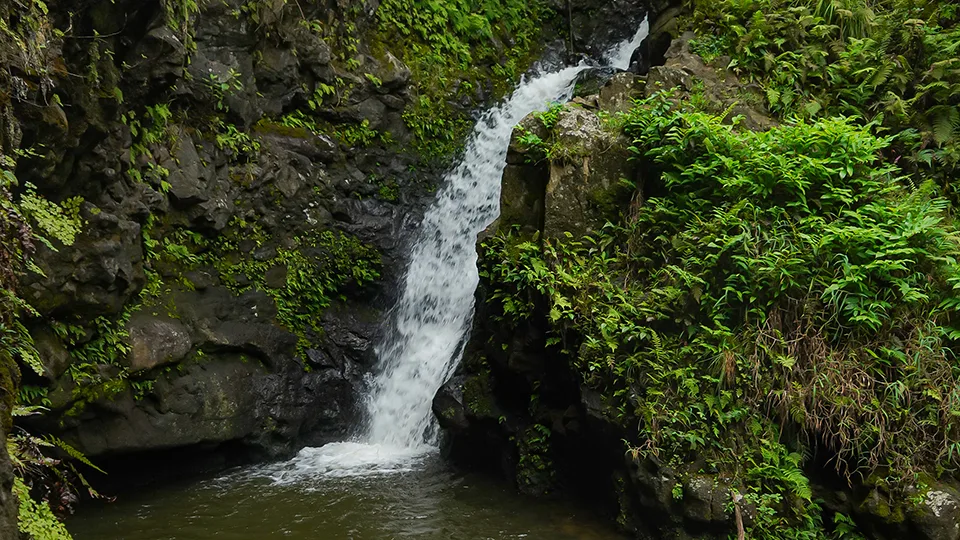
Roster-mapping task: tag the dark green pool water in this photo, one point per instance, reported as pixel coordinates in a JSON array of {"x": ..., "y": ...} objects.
[{"x": 431, "y": 502}]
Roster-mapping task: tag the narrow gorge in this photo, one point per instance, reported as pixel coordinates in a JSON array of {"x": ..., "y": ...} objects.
[{"x": 479, "y": 269}]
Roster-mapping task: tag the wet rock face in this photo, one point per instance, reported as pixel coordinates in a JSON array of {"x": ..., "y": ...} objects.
[
  {"x": 205, "y": 359},
  {"x": 598, "y": 24},
  {"x": 230, "y": 397}
]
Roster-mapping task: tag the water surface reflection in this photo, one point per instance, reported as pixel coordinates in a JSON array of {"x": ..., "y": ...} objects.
[{"x": 432, "y": 502}]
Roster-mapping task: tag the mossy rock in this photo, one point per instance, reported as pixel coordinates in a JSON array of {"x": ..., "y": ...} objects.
[
  {"x": 478, "y": 395},
  {"x": 878, "y": 505},
  {"x": 103, "y": 392},
  {"x": 535, "y": 468},
  {"x": 269, "y": 127}
]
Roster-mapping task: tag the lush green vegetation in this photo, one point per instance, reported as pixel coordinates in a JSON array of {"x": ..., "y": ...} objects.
[
  {"x": 895, "y": 62},
  {"x": 785, "y": 282},
  {"x": 786, "y": 297},
  {"x": 444, "y": 43},
  {"x": 27, "y": 220},
  {"x": 48, "y": 482}
]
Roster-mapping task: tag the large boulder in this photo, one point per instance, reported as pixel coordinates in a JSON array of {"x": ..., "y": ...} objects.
[
  {"x": 585, "y": 185},
  {"x": 618, "y": 95},
  {"x": 156, "y": 341},
  {"x": 207, "y": 368},
  {"x": 210, "y": 403},
  {"x": 577, "y": 185}
]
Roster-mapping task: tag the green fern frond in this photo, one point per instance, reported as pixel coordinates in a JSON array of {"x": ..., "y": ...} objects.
[
  {"x": 944, "y": 122},
  {"x": 72, "y": 452}
]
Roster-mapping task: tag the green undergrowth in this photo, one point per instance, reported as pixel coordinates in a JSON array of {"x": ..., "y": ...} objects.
[
  {"x": 782, "y": 291},
  {"x": 454, "y": 47},
  {"x": 50, "y": 477},
  {"x": 892, "y": 62},
  {"x": 317, "y": 271}
]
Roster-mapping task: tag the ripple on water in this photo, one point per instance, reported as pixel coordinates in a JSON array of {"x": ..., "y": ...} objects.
[{"x": 419, "y": 499}]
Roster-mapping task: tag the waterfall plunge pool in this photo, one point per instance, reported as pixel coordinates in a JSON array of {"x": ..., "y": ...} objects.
[{"x": 427, "y": 500}]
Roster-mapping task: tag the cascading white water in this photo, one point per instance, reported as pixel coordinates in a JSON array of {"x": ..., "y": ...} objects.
[{"x": 435, "y": 310}]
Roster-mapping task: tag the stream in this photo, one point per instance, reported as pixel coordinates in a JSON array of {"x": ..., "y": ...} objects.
[{"x": 389, "y": 480}]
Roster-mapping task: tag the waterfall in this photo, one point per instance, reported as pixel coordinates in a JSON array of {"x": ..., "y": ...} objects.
[
  {"x": 434, "y": 312},
  {"x": 433, "y": 315}
]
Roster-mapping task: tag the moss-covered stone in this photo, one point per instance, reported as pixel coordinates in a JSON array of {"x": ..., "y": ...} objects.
[
  {"x": 9, "y": 381},
  {"x": 478, "y": 395},
  {"x": 271, "y": 127}
]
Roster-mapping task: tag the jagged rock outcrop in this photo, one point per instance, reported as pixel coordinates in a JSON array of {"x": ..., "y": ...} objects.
[
  {"x": 686, "y": 72},
  {"x": 593, "y": 26},
  {"x": 588, "y": 173}
]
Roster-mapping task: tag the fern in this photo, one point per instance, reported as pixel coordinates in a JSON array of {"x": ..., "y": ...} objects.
[
  {"x": 71, "y": 451},
  {"x": 36, "y": 519},
  {"x": 945, "y": 122}
]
